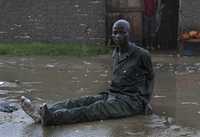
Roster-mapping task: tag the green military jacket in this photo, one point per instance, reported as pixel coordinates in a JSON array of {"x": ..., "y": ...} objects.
[{"x": 132, "y": 72}]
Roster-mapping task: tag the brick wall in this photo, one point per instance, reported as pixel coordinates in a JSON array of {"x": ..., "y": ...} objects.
[
  {"x": 190, "y": 14},
  {"x": 52, "y": 20}
]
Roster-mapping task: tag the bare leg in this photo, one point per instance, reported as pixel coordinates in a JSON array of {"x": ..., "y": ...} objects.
[{"x": 30, "y": 109}]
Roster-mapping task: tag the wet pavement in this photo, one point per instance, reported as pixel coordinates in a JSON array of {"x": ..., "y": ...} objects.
[{"x": 176, "y": 100}]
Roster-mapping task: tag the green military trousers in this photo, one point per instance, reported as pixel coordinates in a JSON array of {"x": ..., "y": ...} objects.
[{"x": 92, "y": 108}]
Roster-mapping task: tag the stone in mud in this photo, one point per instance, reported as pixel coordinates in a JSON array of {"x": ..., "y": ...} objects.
[{"x": 7, "y": 107}]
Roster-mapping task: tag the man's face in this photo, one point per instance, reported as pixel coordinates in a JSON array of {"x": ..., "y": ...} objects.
[{"x": 120, "y": 35}]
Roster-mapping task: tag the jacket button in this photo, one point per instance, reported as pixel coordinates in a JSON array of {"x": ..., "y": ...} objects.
[{"x": 124, "y": 71}]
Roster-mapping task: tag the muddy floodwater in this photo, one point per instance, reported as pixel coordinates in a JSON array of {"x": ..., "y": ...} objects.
[{"x": 176, "y": 100}]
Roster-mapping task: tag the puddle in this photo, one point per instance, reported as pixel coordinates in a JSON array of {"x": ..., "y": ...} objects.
[{"x": 48, "y": 79}]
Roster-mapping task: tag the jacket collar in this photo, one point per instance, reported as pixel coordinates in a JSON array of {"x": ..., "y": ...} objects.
[{"x": 131, "y": 50}]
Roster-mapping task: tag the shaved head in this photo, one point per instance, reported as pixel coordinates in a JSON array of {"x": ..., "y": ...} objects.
[{"x": 122, "y": 24}]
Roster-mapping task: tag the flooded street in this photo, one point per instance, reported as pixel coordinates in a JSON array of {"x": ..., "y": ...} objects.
[{"x": 176, "y": 100}]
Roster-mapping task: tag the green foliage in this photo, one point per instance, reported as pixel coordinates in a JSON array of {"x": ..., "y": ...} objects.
[{"x": 51, "y": 49}]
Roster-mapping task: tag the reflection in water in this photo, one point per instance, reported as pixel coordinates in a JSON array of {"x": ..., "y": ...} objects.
[
  {"x": 139, "y": 126},
  {"x": 78, "y": 131},
  {"x": 32, "y": 130},
  {"x": 52, "y": 79}
]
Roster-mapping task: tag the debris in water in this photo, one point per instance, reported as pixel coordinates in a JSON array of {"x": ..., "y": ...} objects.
[
  {"x": 7, "y": 107},
  {"x": 103, "y": 75},
  {"x": 87, "y": 70},
  {"x": 96, "y": 81},
  {"x": 74, "y": 78},
  {"x": 50, "y": 66},
  {"x": 157, "y": 96},
  {"x": 178, "y": 55},
  {"x": 185, "y": 134},
  {"x": 158, "y": 66},
  {"x": 191, "y": 71},
  {"x": 17, "y": 81},
  {"x": 8, "y": 84},
  {"x": 174, "y": 127},
  {"x": 70, "y": 71},
  {"x": 197, "y": 64},
  {"x": 77, "y": 131},
  {"x": 190, "y": 103},
  {"x": 32, "y": 83},
  {"x": 86, "y": 63},
  {"x": 180, "y": 73},
  {"x": 40, "y": 99},
  {"x": 106, "y": 71},
  {"x": 170, "y": 120},
  {"x": 130, "y": 133},
  {"x": 76, "y": 81}
]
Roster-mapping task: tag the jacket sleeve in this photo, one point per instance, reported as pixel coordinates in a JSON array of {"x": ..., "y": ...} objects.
[{"x": 148, "y": 67}]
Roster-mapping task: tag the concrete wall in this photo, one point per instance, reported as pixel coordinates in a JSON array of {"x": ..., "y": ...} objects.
[
  {"x": 52, "y": 20},
  {"x": 190, "y": 14}
]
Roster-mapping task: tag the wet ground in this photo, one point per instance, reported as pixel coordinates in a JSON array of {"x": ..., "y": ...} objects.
[{"x": 176, "y": 99}]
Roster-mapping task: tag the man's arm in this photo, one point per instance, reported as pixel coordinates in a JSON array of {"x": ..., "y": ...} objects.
[{"x": 148, "y": 66}]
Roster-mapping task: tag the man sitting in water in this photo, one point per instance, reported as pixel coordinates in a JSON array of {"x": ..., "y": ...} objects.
[{"x": 129, "y": 93}]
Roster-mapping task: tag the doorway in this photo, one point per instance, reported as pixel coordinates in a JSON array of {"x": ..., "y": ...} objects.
[{"x": 167, "y": 37}]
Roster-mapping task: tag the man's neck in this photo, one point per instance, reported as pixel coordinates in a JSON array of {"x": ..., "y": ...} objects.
[{"x": 123, "y": 49}]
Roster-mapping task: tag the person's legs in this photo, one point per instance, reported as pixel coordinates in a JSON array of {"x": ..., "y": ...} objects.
[
  {"x": 146, "y": 35},
  {"x": 112, "y": 107},
  {"x": 152, "y": 32},
  {"x": 76, "y": 102},
  {"x": 34, "y": 112}
]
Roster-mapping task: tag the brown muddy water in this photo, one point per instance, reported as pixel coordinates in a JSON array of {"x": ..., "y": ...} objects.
[{"x": 176, "y": 99}]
